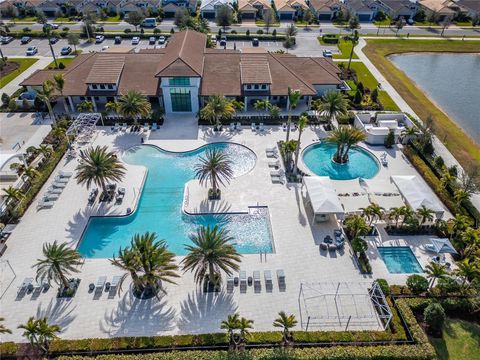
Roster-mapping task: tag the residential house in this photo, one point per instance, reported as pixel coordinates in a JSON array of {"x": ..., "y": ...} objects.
[
  {"x": 251, "y": 9},
  {"x": 290, "y": 9},
  {"x": 129, "y": 6},
  {"x": 170, "y": 6},
  {"x": 49, "y": 7},
  {"x": 208, "y": 8},
  {"x": 325, "y": 9},
  {"x": 470, "y": 7},
  {"x": 441, "y": 8},
  {"x": 182, "y": 76},
  {"x": 398, "y": 8},
  {"x": 365, "y": 10}
]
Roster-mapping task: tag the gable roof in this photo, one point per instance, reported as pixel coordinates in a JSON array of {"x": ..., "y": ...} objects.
[
  {"x": 254, "y": 69},
  {"x": 250, "y": 4},
  {"x": 106, "y": 69},
  {"x": 324, "y": 5}
]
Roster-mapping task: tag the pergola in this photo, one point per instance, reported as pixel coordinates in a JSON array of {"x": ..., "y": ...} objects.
[
  {"x": 83, "y": 127},
  {"x": 343, "y": 305}
]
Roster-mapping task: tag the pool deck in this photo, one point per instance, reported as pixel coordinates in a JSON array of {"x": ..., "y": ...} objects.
[{"x": 186, "y": 309}]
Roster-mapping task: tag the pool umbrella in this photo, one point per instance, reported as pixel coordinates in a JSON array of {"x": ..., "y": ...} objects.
[{"x": 443, "y": 246}]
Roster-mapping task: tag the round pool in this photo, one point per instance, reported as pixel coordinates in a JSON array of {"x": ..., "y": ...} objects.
[{"x": 318, "y": 159}]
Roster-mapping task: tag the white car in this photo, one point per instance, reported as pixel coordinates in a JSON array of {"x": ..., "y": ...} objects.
[
  {"x": 105, "y": 48},
  {"x": 32, "y": 50},
  {"x": 135, "y": 40},
  {"x": 99, "y": 39}
]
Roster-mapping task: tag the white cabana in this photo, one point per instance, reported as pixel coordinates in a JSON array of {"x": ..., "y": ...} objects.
[
  {"x": 352, "y": 196},
  {"x": 323, "y": 198},
  {"x": 441, "y": 246},
  {"x": 417, "y": 194},
  {"x": 382, "y": 192}
]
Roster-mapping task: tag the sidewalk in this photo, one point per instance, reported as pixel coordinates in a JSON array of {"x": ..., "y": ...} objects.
[
  {"x": 440, "y": 148},
  {"x": 13, "y": 85}
]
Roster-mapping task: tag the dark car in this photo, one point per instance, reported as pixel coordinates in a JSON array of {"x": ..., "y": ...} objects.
[
  {"x": 66, "y": 50},
  {"x": 152, "y": 40},
  {"x": 25, "y": 39},
  {"x": 6, "y": 39},
  {"x": 118, "y": 40},
  {"x": 53, "y": 40},
  {"x": 255, "y": 42}
]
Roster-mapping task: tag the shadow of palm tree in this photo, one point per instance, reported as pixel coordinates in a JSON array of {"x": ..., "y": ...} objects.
[
  {"x": 203, "y": 312},
  {"x": 77, "y": 224},
  {"x": 217, "y": 136},
  {"x": 126, "y": 140},
  {"x": 58, "y": 311},
  {"x": 135, "y": 317}
]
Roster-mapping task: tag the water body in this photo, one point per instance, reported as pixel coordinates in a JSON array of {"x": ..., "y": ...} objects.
[{"x": 452, "y": 81}]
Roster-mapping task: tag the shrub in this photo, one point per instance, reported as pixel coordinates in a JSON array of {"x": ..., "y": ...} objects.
[
  {"x": 127, "y": 31},
  {"x": 233, "y": 32},
  {"x": 8, "y": 348},
  {"x": 274, "y": 32},
  {"x": 374, "y": 95},
  {"x": 12, "y": 105},
  {"x": 448, "y": 285},
  {"x": 357, "y": 99},
  {"x": 389, "y": 139},
  {"x": 439, "y": 162},
  {"x": 5, "y": 99},
  {"x": 247, "y": 32},
  {"x": 435, "y": 318},
  {"x": 157, "y": 31},
  {"x": 61, "y": 65},
  {"x": 330, "y": 38},
  {"x": 260, "y": 32},
  {"x": 384, "y": 286},
  {"x": 360, "y": 87},
  {"x": 417, "y": 284}
]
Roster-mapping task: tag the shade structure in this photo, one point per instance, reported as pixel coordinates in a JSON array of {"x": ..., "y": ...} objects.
[
  {"x": 382, "y": 192},
  {"x": 322, "y": 196},
  {"x": 443, "y": 246},
  {"x": 417, "y": 194}
]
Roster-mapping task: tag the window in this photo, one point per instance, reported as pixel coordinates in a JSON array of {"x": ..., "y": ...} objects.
[
  {"x": 179, "y": 81},
  {"x": 181, "y": 100},
  {"x": 102, "y": 86},
  {"x": 110, "y": 86},
  {"x": 249, "y": 87},
  {"x": 96, "y": 98},
  {"x": 264, "y": 87},
  {"x": 94, "y": 86},
  {"x": 256, "y": 86},
  {"x": 82, "y": 98}
]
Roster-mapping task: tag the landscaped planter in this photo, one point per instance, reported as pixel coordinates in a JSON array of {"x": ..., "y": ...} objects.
[{"x": 70, "y": 291}]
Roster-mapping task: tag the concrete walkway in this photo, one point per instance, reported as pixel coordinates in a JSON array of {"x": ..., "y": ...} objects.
[
  {"x": 440, "y": 148},
  {"x": 13, "y": 85}
]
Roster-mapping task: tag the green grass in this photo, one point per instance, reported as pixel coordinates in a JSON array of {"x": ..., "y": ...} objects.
[
  {"x": 64, "y": 20},
  {"x": 461, "y": 341},
  {"x": 112, "y": 19},
  {"x": 262, "y": 23},
  {"x": 24, "y": 65},
  {"x": 65, "y": 62},
  {"x": 24, "y": 19},
  {"x": 387, "y": 21},
  {"x": 345, "y": 47}
]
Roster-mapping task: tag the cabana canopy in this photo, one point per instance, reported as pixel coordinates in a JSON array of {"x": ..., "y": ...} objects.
[
  {"x": 322, "y": 195},
  {"x": 443, "y": 246},
  {"x": 417, "y": 194}
]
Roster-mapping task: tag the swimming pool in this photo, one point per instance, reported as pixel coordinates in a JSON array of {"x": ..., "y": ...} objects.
[
  {"x": 399, "y": 260},
  {"x": 160, "y": 206},
  {"x": 318, "y": 159}
]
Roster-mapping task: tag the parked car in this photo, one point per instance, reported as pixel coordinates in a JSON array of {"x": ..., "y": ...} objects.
[
  {"x": 327, "y": 53},
  {"x": 53, "y": 40},
  {"x": 152, "y": 40},
  {"x": 99, "y": 39},
  {"x": 223, "y": 40},
  {"x": 149, "y": 23},
  {"x": 105, "y": 48},
  {"x": 135, "y": 40},
  {"x": 51, "y": 26},
  {"x": 6, "y": 39},
  {"x": 118, "y": 40},
  {"x": 255, "y": 42},
  {"x": 410, "y": 21},
  {"x": 66, "y": 50},
  {"x": 162, "y": 39},
  {"x": 213, "y": 39},
  {"x": 25, "y": 39},
  {"x": 32, "y": 50}
]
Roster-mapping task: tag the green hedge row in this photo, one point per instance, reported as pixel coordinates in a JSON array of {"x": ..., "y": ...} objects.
[{"x": 8, "y": 349}]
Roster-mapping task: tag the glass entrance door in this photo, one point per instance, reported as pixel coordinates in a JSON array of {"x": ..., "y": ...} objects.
[{"x": 181, "y": 100}]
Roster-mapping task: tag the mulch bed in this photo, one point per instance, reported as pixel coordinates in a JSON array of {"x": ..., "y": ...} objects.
[{"x": 9, "y": 68}]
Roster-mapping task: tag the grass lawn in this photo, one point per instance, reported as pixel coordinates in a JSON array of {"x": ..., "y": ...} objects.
[
  {"x": 65, "y": 62},
  {"x": 461, "y": 341},
  {"x": 345, "y": 47},
  {"x": 462, "y": 146},
  {"x": 387, "y": 21},
  {"x": 24, "y": 65},
  {"x": 24, "y": 19},
  {"x": 64, "y": 20},
  {"x": 262, "y": 23},
  {"x": 112, "y": 19}
]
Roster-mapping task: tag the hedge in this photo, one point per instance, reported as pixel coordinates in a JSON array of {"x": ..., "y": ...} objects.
[{"x": 8, "y": 349}]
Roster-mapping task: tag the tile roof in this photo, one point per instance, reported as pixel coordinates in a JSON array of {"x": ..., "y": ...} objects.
[
  {"x": 254, "y": 69},
  {"x": 473, "y": 5},
  {"x": 324, "y": 5},
  {"x": 39, "y": 77},
  {"x": 106, "y": 69},
  {"x": 250, "y": 4},
  {"x": 287, "y": 5}
]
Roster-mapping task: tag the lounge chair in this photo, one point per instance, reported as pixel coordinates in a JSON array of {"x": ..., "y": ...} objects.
[
  {"x": 323, "y": 246},
  {"x": 272, "y": 149},
  {"x": 256, "y": 280},
  {"x": 277, "y": 173},
  {"x": 114, "y": 285},
  {"x": 92, "y": 196},
  {"x": 281, "y": 279},
  {"x": 25, "y": 286},
  {"x": 243, "y": 281},
  {"x": 41, "y": 286},
  {"x": 51, "y": 197},
  {"x": 53, "y": 190},
  {"x": 253, "y": 127},
  {"x": 154, "y": 127},
  {"x": 65, "y": 174},
  {"x": 274, "y": 164},
  {"x": 100, "y": 283},
  {"x": 116, "y": 127},
  {"x": 45, "y": 204},
  {"x": 60, "y": 179},
  {"x": 267, "y": 274},
  {"x": 124, "y": 127},
  {"x": 119, "y": 198},
  {"x": 238, "y": 126},
  {"x": 332, "y": 247},
  {"x": 284, "y": 127},
  {"x": 293, "y": 127},
  {"x": 277, "y": 180},
  {"x": 59, "y": 185},
  {"x": 232, "y": 127},
  {"x": 261, "y": 127},
  {"x": 146, "y": 127},
  {"x": 230, "y": 283}
]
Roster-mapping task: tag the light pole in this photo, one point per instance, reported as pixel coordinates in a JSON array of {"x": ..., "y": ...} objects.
[{"x": 53, "y": 54}]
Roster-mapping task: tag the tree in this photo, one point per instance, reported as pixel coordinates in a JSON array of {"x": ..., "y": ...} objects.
[
  {"x": 111, "y": 106},
  {"x": 39, "y": 332},
  {"x": 99, "y": 166},
  {"x": 269, "y": 18},
  {"x": 389, "y": 139},
  {"x": 73, "y": 39},
  {"x": 469, "y": 178},
  {"x": 356, "y": 226},
  {"x": 446, "y": 22},
  {"x": 459, "y": 195},
  {"x": 215, "y": 167},
  {"x": 302, "y": 124},
  {"x": 30, "y": 173},
  {"x": 447, "y": 178},
  {"x": 354, "y": 40},
  {"x": 331, "y": 105},
  {"x": 244, "y": 325},
  {"x": 425, "y": 214},
  {"x": 293, "y": 98},
  {"x": 11, "y": 195},
  {"x": 59, "y": 262},
  {"x": 288, "y": 43},
  {"x": 149, "y": 263},
  {"x": 467, "y": 269},
  {"x": 469, "y": 242},
  {"x": 344, "y": 138},
  {"x": 89, "y": 18},
  {"x": 274, "y": 111},
  {"x": 291, "y": 30},
  {"x": 395, "y": 214},
  {"x": 287, "y": 148},
  {"x": 211, "y": 252},
  {"x": 417, "y": 284},
  {"x": 353, "y": 23},
  {"x": 260, "y": 105},
  {"x": 435, "y": 271},
  {"x": 399, "y": 24},
  {"x": 359, "y": 245},
  {"x": 133, "y": 105},
  {"x": 85, "y": 106},
  {"x": 308, "y": 17},
  {"x": 224, "y": 16},
  {"x": 3, "y": 329},
  {"x": 135, "y": 18},
  {"x": 182, "y": 18},
  {"x": 286, "y": 322},
  {"x": 372, "y": 212},
  {"x": 59, "y": 84},
  {"x": 230, "y": 325},
  {"x": 41, "y": 17},
  {"x": 46, "y": 95},
  {"x": 434, "y": 316},
  {"x": 217, "y": 108}
]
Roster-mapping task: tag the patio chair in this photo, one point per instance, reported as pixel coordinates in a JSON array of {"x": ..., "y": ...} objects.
[
  {"x": 281, "y": 279},
  {"x": 284, "y": 127},
  {"x": 65, "y": 174},
  {"x": 92, "y": 196},
  {"x": 261, "y": 127},
  {"x": 332, "y": 247},
  {"x": 100, "y": 283},
  {"x": 119, "y": 198},
  {"x": 230, "y": 283},
  {"x": 253, "y": 127},
  {"x": 323, "y": 246},
  {"x": 51, "y": 197},
  {"x": 277, "y": 180},
  {"x": 430, "y": 247},
  {"x": 54, "y": 190},
  {"x": 124, "y": 127},
  {"x": 238, "y": 126},
  {"x": 154, "y": 127},
  {"x": 272, "y": 149},
  {"x": 243, "y": 281},
  {"x": 114, "y": 285},
  {"x": 45, "y": 204},
  {"x": 41, "y": 286},
  {"x": 256, "y": 281},
  {"x": 60, "y": 179},
  {"x": 232, "y": 127},
  {"x": 277, "y": 173},
  {"x": 267, "y": 274},
  {"x": 275, "y": 164},
  {"x": 293, "y": 127},
  {"x": 116, "y": 127},
  {"x": 146, "y": 127}
]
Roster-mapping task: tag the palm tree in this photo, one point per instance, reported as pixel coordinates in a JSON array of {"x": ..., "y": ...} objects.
[
  {"x": 85, "y": 106},
  {"x": 460, "y": 196},
  {"x": 372, "y": 212},
  {"x": 458, "y": 224},
  {"x": 409, "y": 132},
  {"x": 286, "y": 322},
  {"x": 244, "y": 325},
  {"x": 30, "y": 173},
  {"x": 149, "y": 263},
  {"x": 435, "y": 271},
  {"x": 111, "y": 106},
  {"x": 3, "y": 329},
  {"x": 45, "y": 150},
  {"x": 425, "y": 214},
  {"x": 302, "y": 124},
  {"x": 39, "y": 332},
  {"x": 12, "y": 194},
  {"x": 332, "y": 104},
  {"x": 408, "y": 214},
  {"x": 59, "y": 84},
  {"x": 395, "y": 214},
  {"x": 230, "y": 325},
  {"x": 134, "y": 105},
  {"x": 467, "y": 269},
  {"x": 288, "y": 148},
  {"x": 344, "y": 138},
  {"x": 293, "y": 99},
  {"x": 274, "y": 112},
  {"x": 99, "y": 166},
  {"x": 469, "y": 241},
  {"x": 359, "y": 245},
  {"x": 356, "y": 226},
  {"x": 217, "y": 108},
  {"x": 211, "y": 252},
  {"x": 447, "y": 177},
  {"x": 59, "y": 262},
  {"x": 215, "y": 168},
  {"x": 260, "y": 105},
  {"x": 46, "y": 95},
  {"x": 354, "y": 39}
]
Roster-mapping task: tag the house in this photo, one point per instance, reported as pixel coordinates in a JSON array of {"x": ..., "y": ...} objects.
[
  {"x": 128, "y": 6},
  {"x": 441, "y": 8},
  {"x": 171, "y": 6},
  {"x": 365, "y": 10},
  {"x": 208, "y": 8},
  {"x": 290, "y": 9},
  {"x": 398, "y": 8},
  {"x": 49, "y": 7},
  {"x": 470, "y": 7},
  {"x": 182, "y": 76},
  {"x": 325, "y": 9},
  {"x": 250, "y": 9}
]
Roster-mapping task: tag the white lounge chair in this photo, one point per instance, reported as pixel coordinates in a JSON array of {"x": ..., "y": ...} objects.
[
  {"x": 124, "y": 127},
  {"x": 116, "y": 127},
  {"x": 114, "y": 285},
  {"x": 261, "y": 127},
  {"x": 253, "y": 127},
  {"x": 154, "y": 127},
  {"x": 53, "y": 190},
  {"x": 284, "y": 127},
  {"x": 51, "y": 197},
  {"x": 238, "y": 126},
  {"x": 278, "y": 173},
  {"x": 65, "y": 174},
  {"x": 100, "y": 283},
  {"x": 277, "y": 180},
  {"x": 45, "y": 204},
  {"x": 59, "y": 179},
  {"x": 275, "y": 163},
  {"x": 146, "y": 127},
  {"x": 230, "y": 283},
  {"x": 272, "y": 149},
  {"x": 232, "y": 127},
  {"x": 267, "y": 274},
  {"x": 256, "y": 281},
  {"x": 59, "y": 185},
  {"x": 281, "y": 279},
  {"x": 243, "y": 281},
  {"x": 26, "y": 285}
]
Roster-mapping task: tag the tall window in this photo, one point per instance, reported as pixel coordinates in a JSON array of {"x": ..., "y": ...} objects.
[
  {"x": 179, "y": 81},
  {"x": 181, "y": 100}
]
